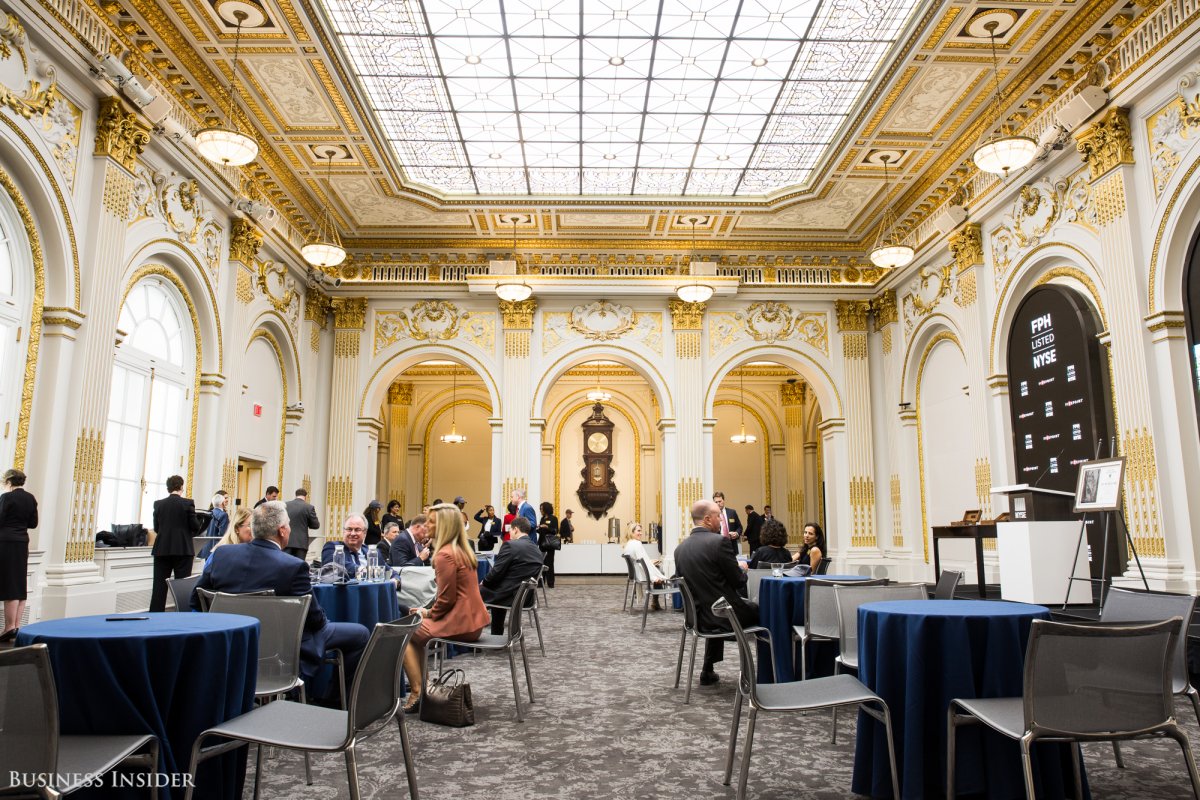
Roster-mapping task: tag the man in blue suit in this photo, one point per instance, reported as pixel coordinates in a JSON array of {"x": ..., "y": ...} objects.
[
  {"x": 261, "y": 564},
  {"x": 524, "y": 509},
  {"x": 409, "y": 548}
]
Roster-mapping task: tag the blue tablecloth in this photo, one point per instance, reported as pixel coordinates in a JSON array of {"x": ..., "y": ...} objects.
[
  {"x": 780, "y": 606},
  {"x": 173, "y": 675},
  {"x": 918, "y": 655},
  {"x": 483, "y": 567},
  {"x": 364, "y": 603}
]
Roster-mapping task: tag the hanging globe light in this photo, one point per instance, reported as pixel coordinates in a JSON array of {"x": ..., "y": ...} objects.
[
  {"x": 226, "y": 144},
  {"x": 325, "y": 249},
  {"x": 889, "y": 252},
  {"x": 1001, "y": 152}
]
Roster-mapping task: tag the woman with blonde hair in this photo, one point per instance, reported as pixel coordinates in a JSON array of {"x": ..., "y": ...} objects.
[
  {"x": 238, "y": 533},
  {"x": 458, "y": 611},
  {"x": 635, "y": 548}
]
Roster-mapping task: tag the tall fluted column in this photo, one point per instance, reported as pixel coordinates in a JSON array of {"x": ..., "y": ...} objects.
[
  {"x": 1107, "y": 149},
  {"x": 400, "y": 396},
  {"x": 885, "y": 314},
  {"x": 349, "y": 319},
  {"x": 860, "y": 464},
  {"x": 120, "y": 138},
  {"x": 686, "y": 461},
  {"x": 317, "y": 308},
  {"x": 793, "y": 396},
  {"x": 522, "y": 446}
]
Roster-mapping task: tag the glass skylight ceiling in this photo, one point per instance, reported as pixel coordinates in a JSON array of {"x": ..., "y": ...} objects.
[{"x": 614, "y": 97}]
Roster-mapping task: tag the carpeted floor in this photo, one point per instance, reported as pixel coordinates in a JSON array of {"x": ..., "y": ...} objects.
[{"x": 607, "y": 725}]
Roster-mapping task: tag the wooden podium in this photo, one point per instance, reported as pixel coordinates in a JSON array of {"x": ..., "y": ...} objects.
[
  {"x": 977, "y": 532},
  {"x": 1033, "y": 504}
]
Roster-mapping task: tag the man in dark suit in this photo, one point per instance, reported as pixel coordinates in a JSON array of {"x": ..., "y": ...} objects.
[
  {"x": 754, "y": 523},
  {"x": 354, "y": 532},
  {"x": 519, "y": 560},
  {"x": 270, "y": 495},
  {"x": 409, "y": 548},
  {"x": 175, "y": 524},
  {"x": 261, "y": 564},
  {"x": 731, "y": 526},
  {"x": 303, "y": 518},
  {"x": 711, "y": 571},
  {"x": 390, "y": 531}
]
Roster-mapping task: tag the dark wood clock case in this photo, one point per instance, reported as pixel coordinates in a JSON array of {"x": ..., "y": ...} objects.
[{"x": 597, "y": 492}]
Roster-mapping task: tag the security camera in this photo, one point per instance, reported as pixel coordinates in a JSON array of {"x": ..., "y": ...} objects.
[
  {"x": 262, "y": 214},
  {"x": 297, "y": 406},
  {"x": 316, "y": 279},
  {"x": 115, "y": 70}
]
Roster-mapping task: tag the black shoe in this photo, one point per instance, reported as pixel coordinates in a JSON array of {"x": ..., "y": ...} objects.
[
  {"x": 413, "y": 706},
  {"x": 9, "y": 637},
  {"x": 709, "y": 678}
]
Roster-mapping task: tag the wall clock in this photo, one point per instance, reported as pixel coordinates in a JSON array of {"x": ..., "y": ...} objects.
[{"x": 597, "y": 492}]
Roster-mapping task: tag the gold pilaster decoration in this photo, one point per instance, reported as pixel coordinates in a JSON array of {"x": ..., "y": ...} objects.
[
  {"x": 121, "y": 135},
  {"x": 349, "y": 312},
  {"x": 1106, "y": 143},
  {"x": 89, "y": 461},
  {"x": 118, "y": 192},
  {"x": 510, "y": 486},
  {"x": 886, "y": 337},
  {"x": 518, "y": 314},
  {"x": 244, "y": 290},
  {"x": 687, "y": 344},
  {"x": 1141, "y": 503},
  {"x": 968, "y": 290},
  {"x": 229, "y": 477},
  {"x": 338, "y": 497},
  {"x": 1108, "y": 198},
  {"x": 314, "y": 339},
  {"x": 307, "y": 484},
  {"x": 345, "y": 344},
  {"x": 690, "y": 490},
  {"x": 317, "y": 306},
  {"x": 862, "y": 510},
  {"x": 516, "y": 344},
  {"x": 897, "y": 526},
  {"x": 854, "y": 345},
  {"x": 686, "y": 316},
  {"x": 793, "y": 394},
  {"x": 884, "y": 309},
  {"x": 400, "y": 394},
  {"x": 245, "y": 240},
  {"x": 795, "y": 516},
  {"x": 983, "y": 486},
  {"x": 852, "y": 314},
  {"x": 966, "y": 245}
]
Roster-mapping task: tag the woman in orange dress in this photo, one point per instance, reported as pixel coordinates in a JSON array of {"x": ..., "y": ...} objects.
[{"x": 457, "y": 612}]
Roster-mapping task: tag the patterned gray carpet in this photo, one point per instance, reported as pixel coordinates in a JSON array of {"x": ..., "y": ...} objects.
[{"x": 607, "y": 725}]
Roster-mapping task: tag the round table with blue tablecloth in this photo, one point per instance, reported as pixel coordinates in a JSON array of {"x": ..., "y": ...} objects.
[
  {"x": 484, "y": 566},
  {"x": 170, "y": 674},
  {"x": 366, "y": 603},
  {"x": 780, "y": 606},
  {"x": 918, "y": 655}
]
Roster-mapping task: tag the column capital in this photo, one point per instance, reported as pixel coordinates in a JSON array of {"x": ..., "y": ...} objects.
[
  {"x": 518, "y": 314},
  {"x": 852, "y": 314},
  {"x": 120, "y": 135},
  {"x": 317, "y": 306},
  {"x": 400, "y": 394},
  {"x": 245, "y": 239},
  {"x": 686, "y": 316},
  {"x": 349, "y": 312},
  {"x": 966, "y": 245},
  {"x": 883, "y": 307},
  {"x": 793, "y": 394},
  {"x": 1106, "y": 143}
]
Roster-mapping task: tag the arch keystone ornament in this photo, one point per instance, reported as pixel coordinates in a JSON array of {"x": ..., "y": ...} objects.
[{"x": 602, "y": 321}]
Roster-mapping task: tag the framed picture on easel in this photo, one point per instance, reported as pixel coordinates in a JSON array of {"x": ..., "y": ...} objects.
[{"x": 1099, "y": 487}]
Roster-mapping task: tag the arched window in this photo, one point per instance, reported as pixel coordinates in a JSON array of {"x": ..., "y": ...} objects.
[
  {"x": 16, "y": 273},
  {"x": 150, "y": 403}
]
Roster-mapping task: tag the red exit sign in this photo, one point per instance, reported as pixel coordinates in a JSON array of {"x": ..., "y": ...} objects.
[{"x": 258, "y": 409}]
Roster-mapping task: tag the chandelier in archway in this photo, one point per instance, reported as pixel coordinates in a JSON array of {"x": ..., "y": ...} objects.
[
  {"x": 741, "y": 437},
  {"x": 453, "y": 437}
]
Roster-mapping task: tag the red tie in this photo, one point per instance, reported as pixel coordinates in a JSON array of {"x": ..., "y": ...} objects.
[{"x": 724, "y": 523}]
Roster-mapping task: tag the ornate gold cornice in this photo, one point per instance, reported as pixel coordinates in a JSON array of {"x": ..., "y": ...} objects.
[
  {"x": 400, "y": 394},
  {"x": 686, "y": 316},
  {"x": 245, "y": 239},
  {"x": 120, "y": 134},
  {"x": 852, "y": 315},
  {"x": 518, "y": 314},
  {"x": 966, "y": 245},
  {"x": 1106, "y": 143},
  {"x": 883, "y": 306},
  {"x": 349, "y": 312},
  {"x": 317, "y": 306}
]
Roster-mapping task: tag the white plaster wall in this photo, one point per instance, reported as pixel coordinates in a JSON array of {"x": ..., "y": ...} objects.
[
  {"x": 738, "y": 469},
  {"x": 260, "y": 382},
  {"x": 461, "y": 469}
]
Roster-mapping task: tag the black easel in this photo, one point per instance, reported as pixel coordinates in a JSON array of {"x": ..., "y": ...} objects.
[{"x": 1103, "y": 580}]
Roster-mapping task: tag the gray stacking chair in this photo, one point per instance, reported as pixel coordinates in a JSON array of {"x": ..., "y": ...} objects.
[
  {"x": 531, "y": 608},
  {"x": 374, "y": 700},
  {"x": 181, "y": 591},
  {"x": 649, "y": 590},
  {"x": 509, "y": 642},
  {"x": 29, "y": 739},
  {"x": 630, "y": 582},
  {"x": 1122, "y": 605},
  {"x": 1084, "y": 683},
  {"x": 796, "y": 696},
  {"x": 823, "y": 566},
  {"x": 542, "y": 583},
  {"x": 753, "y": 579},
  {"x": 690, "y": 630},
  {"x": 820, "y": 615},
  {"x": 947, "y": 583},
  {"x": 281, "y": 627},
  {"x": 847, "y": 598}
]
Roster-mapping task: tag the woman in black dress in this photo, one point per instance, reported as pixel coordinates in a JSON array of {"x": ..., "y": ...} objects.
[
  {"x": 371, "y": 515},
  {"x": 813, "y": 550},
  {"x": 392, "y": 515},
  {"x": 773, "y": 548},
  {"x": 548, "y": 525},
  {"x": 18, "y": 513}
]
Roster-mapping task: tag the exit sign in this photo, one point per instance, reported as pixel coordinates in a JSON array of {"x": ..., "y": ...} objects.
[{"x": 258, "y": 409}]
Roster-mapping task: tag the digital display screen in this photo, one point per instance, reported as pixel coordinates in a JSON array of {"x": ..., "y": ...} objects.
[{"x": 1056, "y": 390}]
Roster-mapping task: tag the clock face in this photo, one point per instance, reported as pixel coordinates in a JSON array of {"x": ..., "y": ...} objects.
[{"x": 597, "y": 442}]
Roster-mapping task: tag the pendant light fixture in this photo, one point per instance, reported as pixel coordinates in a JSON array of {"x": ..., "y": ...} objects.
[
  {"x": 517, "y": 289},
  {"x": 1001, "y": 152},
  {"x": 889, "y": 252},
  {"x": 742, "y": 437},
  {"x": 325, "y": 248},
  {"x": 598, "y": 395},
  {"x": 453, "y": 437},
  {"x": 227, "y": 144},
  {"x": 694, "y": 292}
]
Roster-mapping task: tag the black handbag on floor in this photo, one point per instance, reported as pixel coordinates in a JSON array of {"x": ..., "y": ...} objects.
[{"x": 447, "y": 700}]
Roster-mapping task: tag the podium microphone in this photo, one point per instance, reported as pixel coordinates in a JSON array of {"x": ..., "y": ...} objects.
[{"x": 1047, "y": 469}]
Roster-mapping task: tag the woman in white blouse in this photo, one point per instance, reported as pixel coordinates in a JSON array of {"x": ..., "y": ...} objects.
[{"x": 637, "y": 551}]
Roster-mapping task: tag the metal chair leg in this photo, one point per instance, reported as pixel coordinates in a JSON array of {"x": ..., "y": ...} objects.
[
  {"x": 687, "y": 697},
  {"x": 528, "y": 677},
  {"x": 307, "y": 755},
  {"x": 803, "y": 659},
  {"x": 625, "y": 601},
  {"x": 891, "y": 743},
  {"x": 951, "y": 735},
  {"x": 1117, "y": 755},
  {"x": 745, "y": 771},
  {"x": 537, "y": 623},
  {"x": 1076, "y": 770},
  {"x": 833, "y": 735},
  {"x": 733, "y": 731},
  {"x": 352, "y": 772},
  {"x": 645, "y": 609},
  {"x": 512, "y": 665},
  {"x": 410, "y": 768},
  {"x": 257, "y": 770},
  {"x": 1027, "y": 765},
  {"x": 679, "y": 661},
  {"x": 1180, "y": 736}
]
